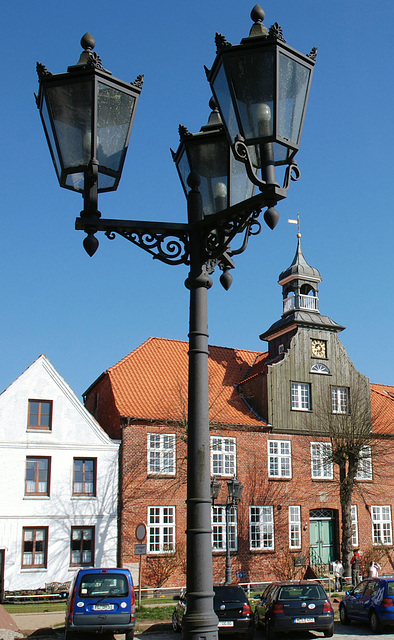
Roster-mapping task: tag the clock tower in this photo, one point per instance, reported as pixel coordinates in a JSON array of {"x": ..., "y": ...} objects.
[
  {"x": 306, "y": 372},
  {"x": 299, "y": 284}
]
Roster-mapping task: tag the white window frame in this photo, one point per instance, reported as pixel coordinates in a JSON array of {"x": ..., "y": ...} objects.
[
  {"x": 161, "y": 530},
  {"x": 354, "y": 517},
  {"x": 161, "y": 454},
  {"x": 321, "y": 467},
  {"x": 301, "y": 396},
  {"x": 295, "y": 540},
  {"x": 279, "y": 459},
  {"x": 223, "y": 456},
  {"x": 340, "y": 400},
  {"x": 364, "y": 469},
  {"x": 218, "y": 515},
  {"x": 261, "y": 528},
  {"x": 382, "y": 530}
]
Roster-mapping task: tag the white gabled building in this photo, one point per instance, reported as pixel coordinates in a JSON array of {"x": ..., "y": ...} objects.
[{"x": 59, "y": 483}]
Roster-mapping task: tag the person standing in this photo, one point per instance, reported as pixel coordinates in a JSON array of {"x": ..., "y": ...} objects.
[
  {"x": 374, "y": 569},
  {"x": 337, "y": 569},
  {"x": 355, "y": 564}
]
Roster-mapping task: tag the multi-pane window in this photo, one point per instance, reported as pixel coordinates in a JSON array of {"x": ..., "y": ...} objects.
[
  {"x": 340, "y": 399},
  {"x": 223, "y": 456},
  {"x": 34, "y": 547},
  {"x": 37, "y": 476},
  {"x": 321, "y": 460},
  {"x": 300, "y": 396},
  {"x": 219, "y": 542},
  {"x": 39, "y": 414},
  {"x": 279, "y": 458},
  {"x": 381, "y": 525},
  {"x": 294, "y": 526},
  {"x": 84, "y": 477},
  {"x": 161, "y": 529},
  {"x": 82, "y": 546},
  {"x": 161, "y": 453},
  {"x": 261, "y": 527},
  {"x": 364, "y": 468},
  {"x": 354, "y": 517}
]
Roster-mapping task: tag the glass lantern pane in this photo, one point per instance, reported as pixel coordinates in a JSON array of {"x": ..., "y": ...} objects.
[
  {"x": 70, "y": 109},
  {"x": 252, "y": 79},
  {"x": 210, "y": 159},
  {"x": 293, "y": 88},
  {"x": 114, "y": 115},
  {"x": 184, "y": 169},
  {"x": 241, "y": 187}
]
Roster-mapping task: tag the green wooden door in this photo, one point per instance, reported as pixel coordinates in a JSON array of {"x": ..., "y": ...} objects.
[{"x": 321, "y": 541}]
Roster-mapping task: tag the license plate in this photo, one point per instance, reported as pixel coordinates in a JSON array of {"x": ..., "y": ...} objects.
[
  {"x": 304, "y": 620},
  {"x": 103, "y": 607},
  {"x": 226, "y": 623}
]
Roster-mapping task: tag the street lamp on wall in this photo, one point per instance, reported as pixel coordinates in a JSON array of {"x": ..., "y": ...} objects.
[
  {"x": 234, "y": 494},
  {"x": 87, "y": 117}
]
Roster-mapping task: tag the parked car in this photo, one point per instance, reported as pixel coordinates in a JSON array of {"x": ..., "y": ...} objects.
[
  {"x": 101, "y": 601},
  {"x": 370, "y": 601},
  {"x": 294, "y": 606},
  {"x": 232, "y": 608}
]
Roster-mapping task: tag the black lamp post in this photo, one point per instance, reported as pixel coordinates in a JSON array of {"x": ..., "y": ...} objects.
[
  {"x": 234, "y": 493},
  {"x": 87, "y": 117}
]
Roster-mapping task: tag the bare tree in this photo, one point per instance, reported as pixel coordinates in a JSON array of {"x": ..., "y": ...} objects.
[{"x": 346, "y": 419}]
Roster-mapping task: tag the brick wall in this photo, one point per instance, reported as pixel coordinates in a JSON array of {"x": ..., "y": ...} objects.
[{"x": 140, "y": 491}]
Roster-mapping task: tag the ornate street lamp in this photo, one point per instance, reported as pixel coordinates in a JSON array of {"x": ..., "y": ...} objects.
[
  {"x": 87, "y": 117},
  {"x": 261, "y": 87}
]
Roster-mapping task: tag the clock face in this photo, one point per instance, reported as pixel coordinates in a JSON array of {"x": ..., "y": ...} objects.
[{"x": 319, "y": 348}]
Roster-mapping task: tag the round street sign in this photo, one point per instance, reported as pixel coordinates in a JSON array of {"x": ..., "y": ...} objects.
[{"x": 140, "y": 532}]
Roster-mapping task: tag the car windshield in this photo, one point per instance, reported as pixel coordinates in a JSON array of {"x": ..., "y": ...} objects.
[
  {"x": 103, "y": 585},
  {"x": 229, "y": 594},
  {"x": 302, "y": 592},
  {"x": 390, "y": 588}
]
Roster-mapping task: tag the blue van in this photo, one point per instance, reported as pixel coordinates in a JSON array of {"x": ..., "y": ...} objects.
[{"x": 101, "y": 601}]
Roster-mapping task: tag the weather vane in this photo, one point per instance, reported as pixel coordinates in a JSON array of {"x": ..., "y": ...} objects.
[{"x": 297, "y": 222}]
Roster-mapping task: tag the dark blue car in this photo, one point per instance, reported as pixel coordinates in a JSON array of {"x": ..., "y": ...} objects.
[{"x": 370, "y": 601}]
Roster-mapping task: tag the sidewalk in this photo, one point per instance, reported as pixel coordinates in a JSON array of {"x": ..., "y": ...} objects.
[{"x": 51, "y": 624}]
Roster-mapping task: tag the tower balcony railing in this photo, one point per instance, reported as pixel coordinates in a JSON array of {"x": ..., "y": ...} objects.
[{"x": 306, "y": 302}]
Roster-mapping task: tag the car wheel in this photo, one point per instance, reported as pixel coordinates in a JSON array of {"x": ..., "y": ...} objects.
[
  {"x": 174, "y": 622},
  {"x": 375, "y": 624},
  {"x": 129, "y": 635},
  {"x": 343, "y": 616},
  {"x": 328, "y": 633},
  {"x": 269, "y": 630},
  {"x": 68, "y": 635},
  {"x": 256, "y": 619}
]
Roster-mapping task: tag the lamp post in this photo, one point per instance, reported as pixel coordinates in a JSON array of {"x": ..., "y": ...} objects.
[
  {"x": 234, "y": 493},
  {"x": 87, "y": 117}
]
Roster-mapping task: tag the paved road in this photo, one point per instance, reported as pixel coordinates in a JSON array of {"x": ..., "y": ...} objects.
[{"x": 30, "y": 623}]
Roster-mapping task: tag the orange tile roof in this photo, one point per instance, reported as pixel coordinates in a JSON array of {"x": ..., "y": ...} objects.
[
  {"x": 151, "y": 383},
  {"x": 382, "y": 399}
]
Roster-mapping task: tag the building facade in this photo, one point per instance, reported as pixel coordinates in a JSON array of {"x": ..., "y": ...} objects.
[
  {"x": 59, "y": 479},
  {"x": 275, "y": 417}
]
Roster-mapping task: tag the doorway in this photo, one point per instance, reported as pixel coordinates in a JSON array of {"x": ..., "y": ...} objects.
[{"x": 321, "y": 535}]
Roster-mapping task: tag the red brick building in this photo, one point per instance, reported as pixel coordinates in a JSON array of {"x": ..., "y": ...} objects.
[{"x": 272, "y": 417}]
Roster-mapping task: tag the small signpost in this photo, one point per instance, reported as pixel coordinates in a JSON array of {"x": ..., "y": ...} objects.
[{"x": 140, "y": 550}]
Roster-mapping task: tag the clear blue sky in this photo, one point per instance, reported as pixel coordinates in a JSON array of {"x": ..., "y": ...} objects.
[{"x": 86, "y": 313}]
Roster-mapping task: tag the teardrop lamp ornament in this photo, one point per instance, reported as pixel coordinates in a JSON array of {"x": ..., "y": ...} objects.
[
  {"x": 271, "y": 217},
  {"x": 90, "y": 244},
  {"x": 226, "y": 280}
]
